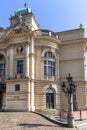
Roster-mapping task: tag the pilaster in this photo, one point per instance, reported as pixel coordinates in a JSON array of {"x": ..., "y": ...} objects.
[{"x": 38, "y": 62}]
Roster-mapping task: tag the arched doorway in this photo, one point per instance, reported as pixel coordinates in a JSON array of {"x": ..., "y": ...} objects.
[{"x": 49, "y": 98}]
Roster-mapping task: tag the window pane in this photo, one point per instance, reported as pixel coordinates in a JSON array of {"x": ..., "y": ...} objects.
[
  {"x": 1, "y": 66},
  {"x": 53, "y": 71},
  {"x": 49, "y": 54},
  {"x": 1, "y": 72},
  {"x": 20, "y": 62},
  {"x": 49, "y": 90},
  {"x": 17, "y": 87},
  {"x": 50, "y": 63},
  {"x": 45, "y": 62},
  {"x": 49, "y": 71},
  {"x": 19, "y": 67},
  {"x": 1, "y": 57},
  {"x": 2, "y": 69},
  {"x": 45, "y": 55},
  {"x": 53, "y": 63},
  {"x": 45, "y": 70}
]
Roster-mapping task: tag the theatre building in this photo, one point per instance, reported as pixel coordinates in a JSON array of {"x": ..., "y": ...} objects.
[{"x": 34, "y": 62}]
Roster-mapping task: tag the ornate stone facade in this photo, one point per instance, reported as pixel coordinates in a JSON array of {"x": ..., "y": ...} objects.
[{"x": 34, "y": 62}]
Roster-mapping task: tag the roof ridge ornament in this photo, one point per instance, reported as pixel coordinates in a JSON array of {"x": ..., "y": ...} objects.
[
  {"x": 81, "y": 26},
  {"x": 25, "y": 5}
]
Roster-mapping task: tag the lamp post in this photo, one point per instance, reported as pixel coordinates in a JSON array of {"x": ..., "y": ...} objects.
[{"x": 69, "y": 91}]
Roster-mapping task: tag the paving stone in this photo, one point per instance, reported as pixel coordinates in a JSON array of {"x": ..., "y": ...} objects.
[{"x": 26, "y": 121}]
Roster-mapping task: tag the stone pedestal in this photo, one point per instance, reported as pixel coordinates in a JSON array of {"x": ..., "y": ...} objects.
[{"x": 71, "y": 121}]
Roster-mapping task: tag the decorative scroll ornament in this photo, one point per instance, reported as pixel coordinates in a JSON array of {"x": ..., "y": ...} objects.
[{"x": 21, "y": 23}]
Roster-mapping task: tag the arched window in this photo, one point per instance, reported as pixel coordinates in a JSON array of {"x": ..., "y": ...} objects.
[{"x": 49, "y": 64}]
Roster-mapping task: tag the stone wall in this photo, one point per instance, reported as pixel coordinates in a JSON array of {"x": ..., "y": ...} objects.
[{"x": 78, "y": 115}]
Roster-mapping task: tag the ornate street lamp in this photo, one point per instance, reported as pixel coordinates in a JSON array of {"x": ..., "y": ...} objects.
[{"x": 70, "y": 91}]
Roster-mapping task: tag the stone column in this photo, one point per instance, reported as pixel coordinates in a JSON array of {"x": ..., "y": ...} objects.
[
  {"x": 57, "y": 78},
  {"x": 28, "y": 100},
  {"x": 11, "y": 61},
  {"x": 6, "y": 68},
  {"x": 32, "y": 72},
  {"x": 27, "y": 60},
  {"x": 32, "y": 107},
  {"x": 58, "y": 97},
  {"x": 57, "y": 65}
]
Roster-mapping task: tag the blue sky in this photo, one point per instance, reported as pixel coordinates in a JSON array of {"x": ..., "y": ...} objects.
[{"x": 56, "y": 15}]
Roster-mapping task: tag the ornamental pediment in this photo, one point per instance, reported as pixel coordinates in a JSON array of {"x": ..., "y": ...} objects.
[
  {"x": 12, "y": 32},
  {"x": 20, "y": 26}
]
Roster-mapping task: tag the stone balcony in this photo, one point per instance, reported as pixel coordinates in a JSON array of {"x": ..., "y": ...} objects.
[{"x": 49, "y": 33}]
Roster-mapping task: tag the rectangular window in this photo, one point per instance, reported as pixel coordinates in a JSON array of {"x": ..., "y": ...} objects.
[
  {"x": 17, "y": 87},
  {"x": 20, "y": 67}
]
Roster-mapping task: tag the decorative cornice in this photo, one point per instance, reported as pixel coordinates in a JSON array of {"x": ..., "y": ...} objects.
[
  {"x": 71, "y": 60},
  {"x": 83, "y": 40},
  {"x": 48, "y": 38},
  {"x": 45, "y": 81},
  {"x": 16, "y": 93},
  {"x": 17, "y": 80}
]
